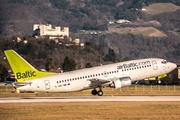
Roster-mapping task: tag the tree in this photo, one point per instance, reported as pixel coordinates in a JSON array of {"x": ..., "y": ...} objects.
[
  {"x": 111, "y": 55},
  {"x": 88, "y": 65},
  {"x": 3, "y": 73},
  {"x": 68, "y": 64},
  {"x": 49, "y": 64}
]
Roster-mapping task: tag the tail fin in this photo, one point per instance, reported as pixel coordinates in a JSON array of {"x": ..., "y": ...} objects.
[{"x": 23, "y": 71}]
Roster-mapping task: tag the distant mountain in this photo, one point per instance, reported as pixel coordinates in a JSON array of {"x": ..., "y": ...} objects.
[
  {"x": 18, "y": 16},
  {"x": 153, "y": 30}
]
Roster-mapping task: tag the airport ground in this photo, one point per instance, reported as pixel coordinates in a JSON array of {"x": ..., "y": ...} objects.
[
  {"x": 133, "y": 90},
  {"x": 144, "y": 110},
  {"x": 91, "y": 111}
]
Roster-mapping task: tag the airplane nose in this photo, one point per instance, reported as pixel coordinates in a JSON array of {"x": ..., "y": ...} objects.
[{"x": 173, "y": 66}]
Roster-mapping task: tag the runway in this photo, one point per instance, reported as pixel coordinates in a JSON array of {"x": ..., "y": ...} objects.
[{"x": 88, "y": 99}]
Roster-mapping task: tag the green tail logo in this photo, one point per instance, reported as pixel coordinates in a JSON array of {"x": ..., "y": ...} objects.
[{"x": 23, "y": 71}]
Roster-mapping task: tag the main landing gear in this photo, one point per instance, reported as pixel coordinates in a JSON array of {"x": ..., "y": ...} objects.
[{"x": 95, "y": 92}]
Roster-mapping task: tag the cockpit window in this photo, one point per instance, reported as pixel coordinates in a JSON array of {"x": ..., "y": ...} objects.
[{"x": 164, "y": 61}]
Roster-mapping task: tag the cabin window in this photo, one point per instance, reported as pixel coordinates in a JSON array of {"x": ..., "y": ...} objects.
[{"x": 164, "y": 62}]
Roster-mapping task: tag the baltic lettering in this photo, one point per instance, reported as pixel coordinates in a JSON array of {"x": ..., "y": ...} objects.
[{"x": 26, "y": 74}]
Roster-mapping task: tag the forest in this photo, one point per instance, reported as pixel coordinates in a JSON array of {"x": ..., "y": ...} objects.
[{"x": 47, "y": 54}]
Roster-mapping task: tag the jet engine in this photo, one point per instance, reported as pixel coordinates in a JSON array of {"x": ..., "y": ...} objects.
[{"x": 121, "y": 82}]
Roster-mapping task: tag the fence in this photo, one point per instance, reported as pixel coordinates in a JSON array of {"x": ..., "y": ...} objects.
[
  {"x": 145, "y": 90},
  {"x": 151, "y": 88},
  {"x": 129, "y": 90}
]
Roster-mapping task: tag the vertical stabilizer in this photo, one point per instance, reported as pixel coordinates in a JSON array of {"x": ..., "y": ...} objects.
[{"x": 23, "y": 71}]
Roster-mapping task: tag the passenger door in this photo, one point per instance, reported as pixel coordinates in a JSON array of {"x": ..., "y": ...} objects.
[
  {"x": 47, "y": 84},
  {"x": 154, "y": 63}
]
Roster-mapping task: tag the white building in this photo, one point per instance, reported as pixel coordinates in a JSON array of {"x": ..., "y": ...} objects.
[
  {"x": 144, "y": 9},
  {"x": 55, "y": 33},
  {"x": 123, "y": 21},
  {"x": 77, "y": 41},
  {"x": 47, "y": 30}
]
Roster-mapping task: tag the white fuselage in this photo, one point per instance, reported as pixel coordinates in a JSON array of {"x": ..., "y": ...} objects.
[{"x": 82, "y": 79}]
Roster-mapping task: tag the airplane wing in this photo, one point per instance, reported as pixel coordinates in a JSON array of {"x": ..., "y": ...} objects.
[
  {"x": 113, "y": 82},
  {"x": 99, "y": 82},
  {"x": 9, "y": 82}
]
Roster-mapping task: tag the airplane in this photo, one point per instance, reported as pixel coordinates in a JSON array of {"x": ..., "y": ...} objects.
[
  {"x": 114, "y": 75},
  {"x": 9, "y": 81}
]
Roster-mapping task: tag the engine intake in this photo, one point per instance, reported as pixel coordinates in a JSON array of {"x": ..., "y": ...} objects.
[{"x": 121, "y": 82}]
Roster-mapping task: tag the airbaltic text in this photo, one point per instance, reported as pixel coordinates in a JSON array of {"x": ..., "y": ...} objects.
[{"x": 131, "y": 65}]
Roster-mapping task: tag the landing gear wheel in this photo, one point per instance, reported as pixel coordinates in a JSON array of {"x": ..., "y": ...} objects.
[
  {"x": 94, "y": 92},
  {"x": 100, "y": 93}
]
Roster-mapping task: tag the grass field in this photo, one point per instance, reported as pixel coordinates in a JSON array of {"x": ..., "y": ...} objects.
[
  {"x": 161, "y": 8},
  {"x": 94, "y": 110},
  {"x": 146, "y": 31},
  {"x": 91, "y": 111}
]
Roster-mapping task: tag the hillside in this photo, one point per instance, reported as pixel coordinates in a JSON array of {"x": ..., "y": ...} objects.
[
  {"x": 158, "y": 8},
  {"x": 154, "y": 32},
  {"x": 18, "y": 16}
]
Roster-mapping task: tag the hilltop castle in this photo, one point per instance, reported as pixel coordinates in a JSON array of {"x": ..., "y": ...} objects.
[{"x": 48, "y": 30}]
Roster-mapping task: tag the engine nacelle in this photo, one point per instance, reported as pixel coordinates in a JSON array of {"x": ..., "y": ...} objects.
[{"x": 121, "y": 82}]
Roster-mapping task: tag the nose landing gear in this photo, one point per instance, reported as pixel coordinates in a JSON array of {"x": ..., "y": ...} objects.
[{"x": 95, "y": 92}]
